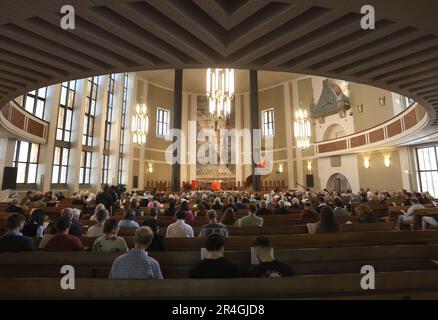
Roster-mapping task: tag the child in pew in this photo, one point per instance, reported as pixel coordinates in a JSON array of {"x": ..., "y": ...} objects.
[
  {"x": 110, "y": 242},
  {"x": 269, "y": 267}
]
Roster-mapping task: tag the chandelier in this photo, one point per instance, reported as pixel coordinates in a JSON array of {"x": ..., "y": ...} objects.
[
  {"x": 140, "y": 124},
  {"x": 302, "y": 129},
  {"x": 220, "y": 91}
]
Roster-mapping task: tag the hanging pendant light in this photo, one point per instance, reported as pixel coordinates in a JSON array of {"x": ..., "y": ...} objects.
[
  {"x": 140, "y": 124},
  {"x": 220, "y": 91},
  {"x": 302, "y": 129}
]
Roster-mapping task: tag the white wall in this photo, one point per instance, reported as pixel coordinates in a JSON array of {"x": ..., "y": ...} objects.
[{"x": 348, "y": 168}]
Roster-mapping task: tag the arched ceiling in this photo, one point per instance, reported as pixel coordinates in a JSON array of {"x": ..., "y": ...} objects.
[{"x": 317, "y": 37}]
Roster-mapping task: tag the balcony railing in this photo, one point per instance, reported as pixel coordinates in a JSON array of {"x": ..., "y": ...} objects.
[{"x": 23, "y": 124}]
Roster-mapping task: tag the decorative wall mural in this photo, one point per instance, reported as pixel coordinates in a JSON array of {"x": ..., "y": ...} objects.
[{"x": 331, "y": 101}]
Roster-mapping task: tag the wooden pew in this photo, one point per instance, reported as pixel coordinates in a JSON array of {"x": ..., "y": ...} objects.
[
  {"x": 420, "y": 213},
  {"x": 299, "y": 240},
  {"x": 392, "y": 285},
  {"x": 178, "y": 264},
  {"x": 272, "y": 230}
]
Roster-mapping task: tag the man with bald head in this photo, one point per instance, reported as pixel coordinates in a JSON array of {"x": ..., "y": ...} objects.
[{"x": 136, "y": 264}]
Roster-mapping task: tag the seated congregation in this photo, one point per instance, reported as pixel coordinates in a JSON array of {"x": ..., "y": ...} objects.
[{"x": 163, "y": 235}]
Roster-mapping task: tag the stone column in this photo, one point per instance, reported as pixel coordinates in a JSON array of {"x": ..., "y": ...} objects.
[
  {"x": 47, "y": 150},
  {"x": 255, "y": 121},
  {"x": 177, "y": 109}
]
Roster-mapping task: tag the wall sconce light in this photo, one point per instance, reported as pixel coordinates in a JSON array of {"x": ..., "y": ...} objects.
[
  {"x": 407, "y": 172},
  {"x": 280, "y": 168},
  {"x": 382, "y": 101},
  {"x": 387, "y": 161},
  {"x": 360, "y": 108},
  {"x": 309, "y": 166},
  {"x": 366, "y": 163},
  {"x": 150, "y": 168}
]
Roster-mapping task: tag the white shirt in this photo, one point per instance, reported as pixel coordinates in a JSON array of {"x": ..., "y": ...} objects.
[
  {"x": 95, "y": 231},
  {"x": 179, "y": 229}
]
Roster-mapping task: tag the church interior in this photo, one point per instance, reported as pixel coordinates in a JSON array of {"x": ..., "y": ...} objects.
[{"x": 206, "y": 143}]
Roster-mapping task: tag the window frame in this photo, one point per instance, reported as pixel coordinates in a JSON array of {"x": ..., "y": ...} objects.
[
  {"x": 266, "y": 130},
  {"x": 27, "y": 163},
  {"x": 158, "y": 121},
  {"x": 36, "y": 96},
  {"x": 85, "y": 171},
  {"x": 90, "y": 111},
  {"x": 421, "y": 183}
]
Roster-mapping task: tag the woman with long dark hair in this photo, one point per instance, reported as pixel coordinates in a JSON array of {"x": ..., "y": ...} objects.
[
  {"x": 328, "y": 223},
  {"x": 34, "y": 226}
]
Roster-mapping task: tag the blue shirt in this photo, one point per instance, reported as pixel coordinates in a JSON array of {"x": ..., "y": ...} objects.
[
  {"x": 136, "y": 264},
  {"x": 128, "y": 224}
]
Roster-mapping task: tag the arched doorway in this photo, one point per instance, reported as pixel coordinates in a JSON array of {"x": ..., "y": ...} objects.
[{"x": 338, "y": 182}]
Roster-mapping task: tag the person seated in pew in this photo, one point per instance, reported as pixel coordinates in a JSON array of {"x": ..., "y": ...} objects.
[
  {"x": 240, "y": 204},
  {"x": 14, "y": 206},
  {"x": 295, "y": 204},
  {"x": 13, "y": 240},
  {"x": 134, "y": 205},
  {"x": 128, "y": 220},
  {"x": 153, "y": 215},
  {"x": 365, "y": 214},
  {"x": 34, "y": 226},
  {"x": 73, "y": 216},
  {"x": 321, "y": 203},
  {"x": 158, "y": 242},
  {"x": 49, "y": 233},
  {"x": 263, "y": 210},
  {"x": 180, "y": 229},
  {"x": 60, "y": 196},
  {"x": 251, "y": 220},
  {"x": 98, "y": 229},
  {"x": 268, "y": 267},
  {"x": 136, "y": 264},
  {"x": 52, "y": 202},
  {"x": 171, "y": 210},
  {"x": 200, "y": 210},
  {"x": 96, "y": 209},
  {"x": 63, "y": 241},
  {"x": 229, "y": 218},
  {"x": 184, "y": 206},
  {"x": 426, "y": 221},
  {"x": 340, "y": 211},
  {"x": 327, "y": 223},
  {"x": 231, "y": 204},
  {"x": 213, "y": 227},
  {"x": 78, "y": 200},
  {"x": 281, "y": 208},
  {"x": 308, "y": 213},
  {"x": 215, "y": 265},
  {"x": 110, "y": 242},
  {"x": 217, "y": 204},
  {"x": 408, "y": 216}
]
